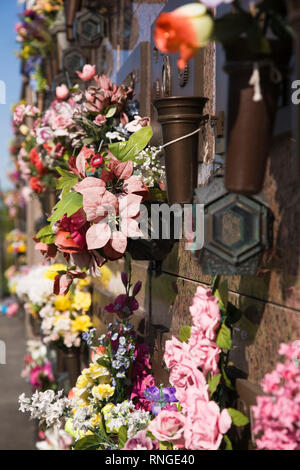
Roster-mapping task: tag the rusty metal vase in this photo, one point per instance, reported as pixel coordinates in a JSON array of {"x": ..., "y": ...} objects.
[
  {"x": 180, "y": 116},
  {"x": 250, "y": 123},
  {"x": 72, "y": 364}
]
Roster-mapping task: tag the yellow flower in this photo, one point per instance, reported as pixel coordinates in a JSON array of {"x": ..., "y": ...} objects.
[
  {"x": 62, "y": 303},
  {"x": 52, "y": 271},
  {"x": 103, "y": 391},
  {"x": 107, "y": 409},
  {"x": 95, "y": 371},
  {"x": 83, "y": 382},
  {"x": 96, "y": 420},
  {"x": 106, "y": 276},
  {"x": 24, "y": 129},
  {"x": 81, "y": 323},
  {"x": 83, "y": 283},
  {"x": 82, "y": 301},
  {"x": 10, "y": 248},
  {"x": 22, "y": 248}
]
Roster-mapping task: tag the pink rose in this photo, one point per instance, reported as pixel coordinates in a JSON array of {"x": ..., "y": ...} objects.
[
  {"x": 167, "y": 426},
  {"x": 140, "y": 442},
  {"x": 205, "y": 424},
  {"x": 204, "y": 353},
  {"x": 175, "y": 352},
  {"x": 100, "y": 120},
  {"x": 88, "y": 72},
  {"x": 205, "y": 312},
  {"x": 62, "y": 92},
  {"x": 185, "y": 375}
]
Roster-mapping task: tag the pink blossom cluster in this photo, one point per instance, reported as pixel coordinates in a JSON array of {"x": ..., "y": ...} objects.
[
  {"x": 22, "y": 111},
  {"x": 277, "y": 415},
  {"x": 200, "y": 424}
]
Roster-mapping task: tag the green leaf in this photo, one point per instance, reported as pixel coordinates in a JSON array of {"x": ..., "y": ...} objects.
[
  {"x": 228, "y": 444},
  {"x": 69, "y": 204},
  {"x": 222, "y": 295},
  {"x": 157, "y": 194},
  {"x": 184, "y": 334},
  {"x": 125, "y": 151},
  {"x": 46, "y": 235},
  {"x": 102, "y": 361},
  {"x": 117, "y": 148},
  {"x": 213, "y": 383},
  {"x": 238, "y": 418},
  {"x": 122, "y": 436},
  {"x": 91, "y": 442},
  {"x": 224, "y": 337},
  {"x": 66, "y": 181},
  {"x": 111, "y": 111},
  {"x": 88, "y": 140},
  {"x": 163, "y": 446},
  {"x": 233, "y": 314},
  {"x": 215, "y": 284},
  {"x": 226, "y": 380}
]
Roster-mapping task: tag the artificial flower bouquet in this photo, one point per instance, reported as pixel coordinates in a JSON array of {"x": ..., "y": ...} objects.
[
  {"x": 277, "y": 414},
  {"x": 37, "y": 368},
  {"x": 116, "y": 403},
  {"x": 65, "y": 319},
  {"x": 16, "y": 242}
]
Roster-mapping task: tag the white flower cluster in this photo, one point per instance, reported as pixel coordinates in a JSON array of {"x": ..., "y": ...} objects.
[
  {"x": 56, "y": 325},
  {"x": 149, "y": 166},
  {"x": 125, "y": 414},
  {"x": 46, "y": 406},
  {"x": 34, "y": 287},
  {"x": 81, "y": 420},
  {"x": 37, "y": 351},
  {"x": 55, "y": 439}
]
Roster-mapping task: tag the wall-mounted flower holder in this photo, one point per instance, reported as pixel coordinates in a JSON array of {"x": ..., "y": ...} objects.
[
  {"x": 253, "y": 93},
  {"x": 71, "y": 8},
  {"x": 179, "y": 116},
  {"x": 237, "y": 230},
  {"x": 72, "y": 364}
]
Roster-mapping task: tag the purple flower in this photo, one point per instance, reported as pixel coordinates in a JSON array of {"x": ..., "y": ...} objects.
[
  {"x": 152, "y": 393},
  {"x": 169, "y": 394}
]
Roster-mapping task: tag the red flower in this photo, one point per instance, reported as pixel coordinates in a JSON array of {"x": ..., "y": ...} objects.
[
  {"x": 36, "y": 161},
  {"x": 36, "y": 185}
]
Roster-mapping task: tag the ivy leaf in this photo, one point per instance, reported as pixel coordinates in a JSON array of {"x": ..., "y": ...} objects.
[
  {"x": 46, "y": 235},
  {"x": 125, "y": 151},
  {"x": 69, "y": 204},
  {"x": 122, "y": 436},
  {"x": 66, "y": 181},
  {"x": 224, "y": 337},
  {"x": 213, "y": 383},
  {"x": 228, "y": 444},
  {"x": 88, "y": 443},
  {"x": 184, "y": 334},
  {"x": 110, "y": 111},
  {"x": 238, "y": 418}
]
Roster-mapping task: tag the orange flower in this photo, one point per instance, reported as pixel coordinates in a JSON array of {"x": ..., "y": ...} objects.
[{"x": 184, "y": 30}]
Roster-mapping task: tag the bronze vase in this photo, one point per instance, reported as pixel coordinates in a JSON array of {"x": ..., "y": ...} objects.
[
  {"x": 180, "y": 116},
  {"x": 72, "y": 364},
  {"x": 250, "y": 123}
]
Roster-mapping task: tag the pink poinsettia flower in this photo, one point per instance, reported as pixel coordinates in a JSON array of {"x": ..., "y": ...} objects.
[
  {"x": 88, "y": 72},
  {"x": 134, "y": 185},
  {"x": 81, "y": 160}
]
